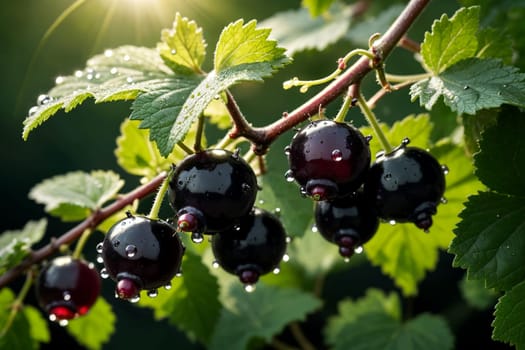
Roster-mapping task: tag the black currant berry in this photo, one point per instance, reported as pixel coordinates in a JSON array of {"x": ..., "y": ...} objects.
[
  {"x": 210, "y": 191},
  {"x": 348, "y": 222},
  {"x": 406, "y": 185},
  {"x": 328, "y": 159},
  {"x": 253, "y": 248},
  {"x": 140, "y": 253},
  {"x": 67, "y": 288}
]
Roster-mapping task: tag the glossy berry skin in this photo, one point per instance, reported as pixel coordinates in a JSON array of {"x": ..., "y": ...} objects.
[
  {"x": 211, "y": 190},
  {"x": 406, "y": 185},
  {"x": 347, "y": 222},
  {"x": 328, "y": 159},
  {"x": 141, "y": 253},
  {"x": 253, "y": 248},
  {"x": 67, "y": 288}
]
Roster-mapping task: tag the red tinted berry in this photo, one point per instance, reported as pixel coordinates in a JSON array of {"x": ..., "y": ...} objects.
[
  {"x": 211, "y": 190},
  {"x": 348, "y": 222},
  {"x": 253, "y": 248},
  {"x": 141, "y": 253},
  {"x": 406, "y": 186},
  {"x": 328, "y": 159},
  {"x": 67, "y": 288}
]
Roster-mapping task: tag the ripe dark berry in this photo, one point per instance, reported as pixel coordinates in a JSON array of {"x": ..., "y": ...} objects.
[
  {"x": 141, "y": 253},
  {"x": 347, "y": 222},
  {"x": 253, "y": 248},
  {"x": 67, "y": 288},
  {"x": 406, "y": 185},
  {"x": 211, "y": 190},
  {"x": 328, "y": 159}
]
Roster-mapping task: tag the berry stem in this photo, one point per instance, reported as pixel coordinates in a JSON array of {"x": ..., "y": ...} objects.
[
  {"x": 299, "y": 336},
  {"x": 372, "y": 121},
  {"x": 343, "y": 111},
  {"x": 18, "y": 303},
  {"x": 185, "y": 148},
  {"x": 81, "y": 243},
  {"x": 159, "y": 197},
  {"x": 198, "y": 135}
]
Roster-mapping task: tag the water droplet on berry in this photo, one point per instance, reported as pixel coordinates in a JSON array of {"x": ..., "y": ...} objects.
[
  {"x": 337, "y": 155},
  {"x": 167, "y": 286},
  {"x": 392, "y": 222},
  {"x": 66, "y": 295},
  {"x": 249, "y": 288},
  {"x": 104, "y": 273},
  {"x": 358, "y": 250},
  {"x": 152, "y": 293},
  {"x": 288, "y": 175},
  {"x": 135, "y": 299},
  {"x": 100, "y": 259},
  {"x": 43, "y": 100},
  {"x": 443, "y": 200},
  {"x": 116, "y": 243},
  {"x": 179, "y": 274},
  {"x": 215, "y": 264},
  {"x": 246, "y": 187},
  {"x": 99, "y": 247},
  {"x": 277, "y": 211},
  {"x": 287, "y": 150},
  {"x": 276, "y": 271},
  {"x": 131, "y": 250},
  {"x": 197, "y": 237},
  {"x": 286, "y": 258},
  {"x": 445, "y": 169},
  {"x": 405, "y": 142},
  {"x": 63, "y": 322},
  {"x": 52, "y": 317},
  {"x": 32, "y": 111},
  {"x": 289, "y": 239}
]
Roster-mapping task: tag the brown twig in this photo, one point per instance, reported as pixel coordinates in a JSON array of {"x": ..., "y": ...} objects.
[
  {"x": 262, "y": 137},
  {"x": 89, "y": 223}
]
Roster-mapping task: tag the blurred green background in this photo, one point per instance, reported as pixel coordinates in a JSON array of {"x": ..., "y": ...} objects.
[{"x": 84, "y": 139}]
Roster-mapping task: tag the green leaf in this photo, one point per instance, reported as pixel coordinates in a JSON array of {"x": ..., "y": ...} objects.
[
  {"x": 471, "y": 85},
  {"x": 403, "y": 251},
  {"x": 218, "y": 114},
  {"x": 118, "y": 74},
  {"x": 375, "y": 301},
  {"x": 38, "y": 326},
  {"x": 16, "y": 244},
  {"x": 502, "y": 148},
  {"x": 296, "y": 30},
  {"x": 67, "y": 195},
  {"x": 161, "y": 110},
  {"x": 138, "y": 155},
  {"x": 18, "y": 335},
  {"x": 317, "y": 7},
  {"x": 489, "y": 240},
  {"x": 373, "y": 331},
  {"x": 509, "y": 321},
  {"x": 192, "y": 303},
  {"x": 244, "y": 44},
  {"x": 183, "y": 47},
  {"x": 476, "y": 295},
  {"x": 296, "y": 211},
  {"x": 494, "y": 43},
  {"x": 95, "y": 328},
  {"x": 475, "y": 125},
  {"x": 451, "y": 40},
  {"x": 378, "y": 23},
  {"x": 259, "y": 315}
]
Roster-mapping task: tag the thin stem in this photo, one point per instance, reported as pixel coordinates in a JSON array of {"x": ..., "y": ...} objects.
[
  {"x": 410, "y": 77},
  {"x": 409, "y": 44},
  {"x": 372, "y": 121},
  {"x": 381, "y": 93},
  {"x": 343, "y": 111},
  {"x": 198, "y": 135},
  {"x": 299, "y": 336},
  {"x": 73, "y": 234},
  {"x": 185, "y": 148},
  {"x": 81, "y": 243},
  {"x": 18, "y": 303},
  {"x": 159, "y": 197}
]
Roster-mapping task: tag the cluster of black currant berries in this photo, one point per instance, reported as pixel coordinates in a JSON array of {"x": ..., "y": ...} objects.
[
  {"x": 331, "y": 163},
  {"x": 212, "y": 193}
]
